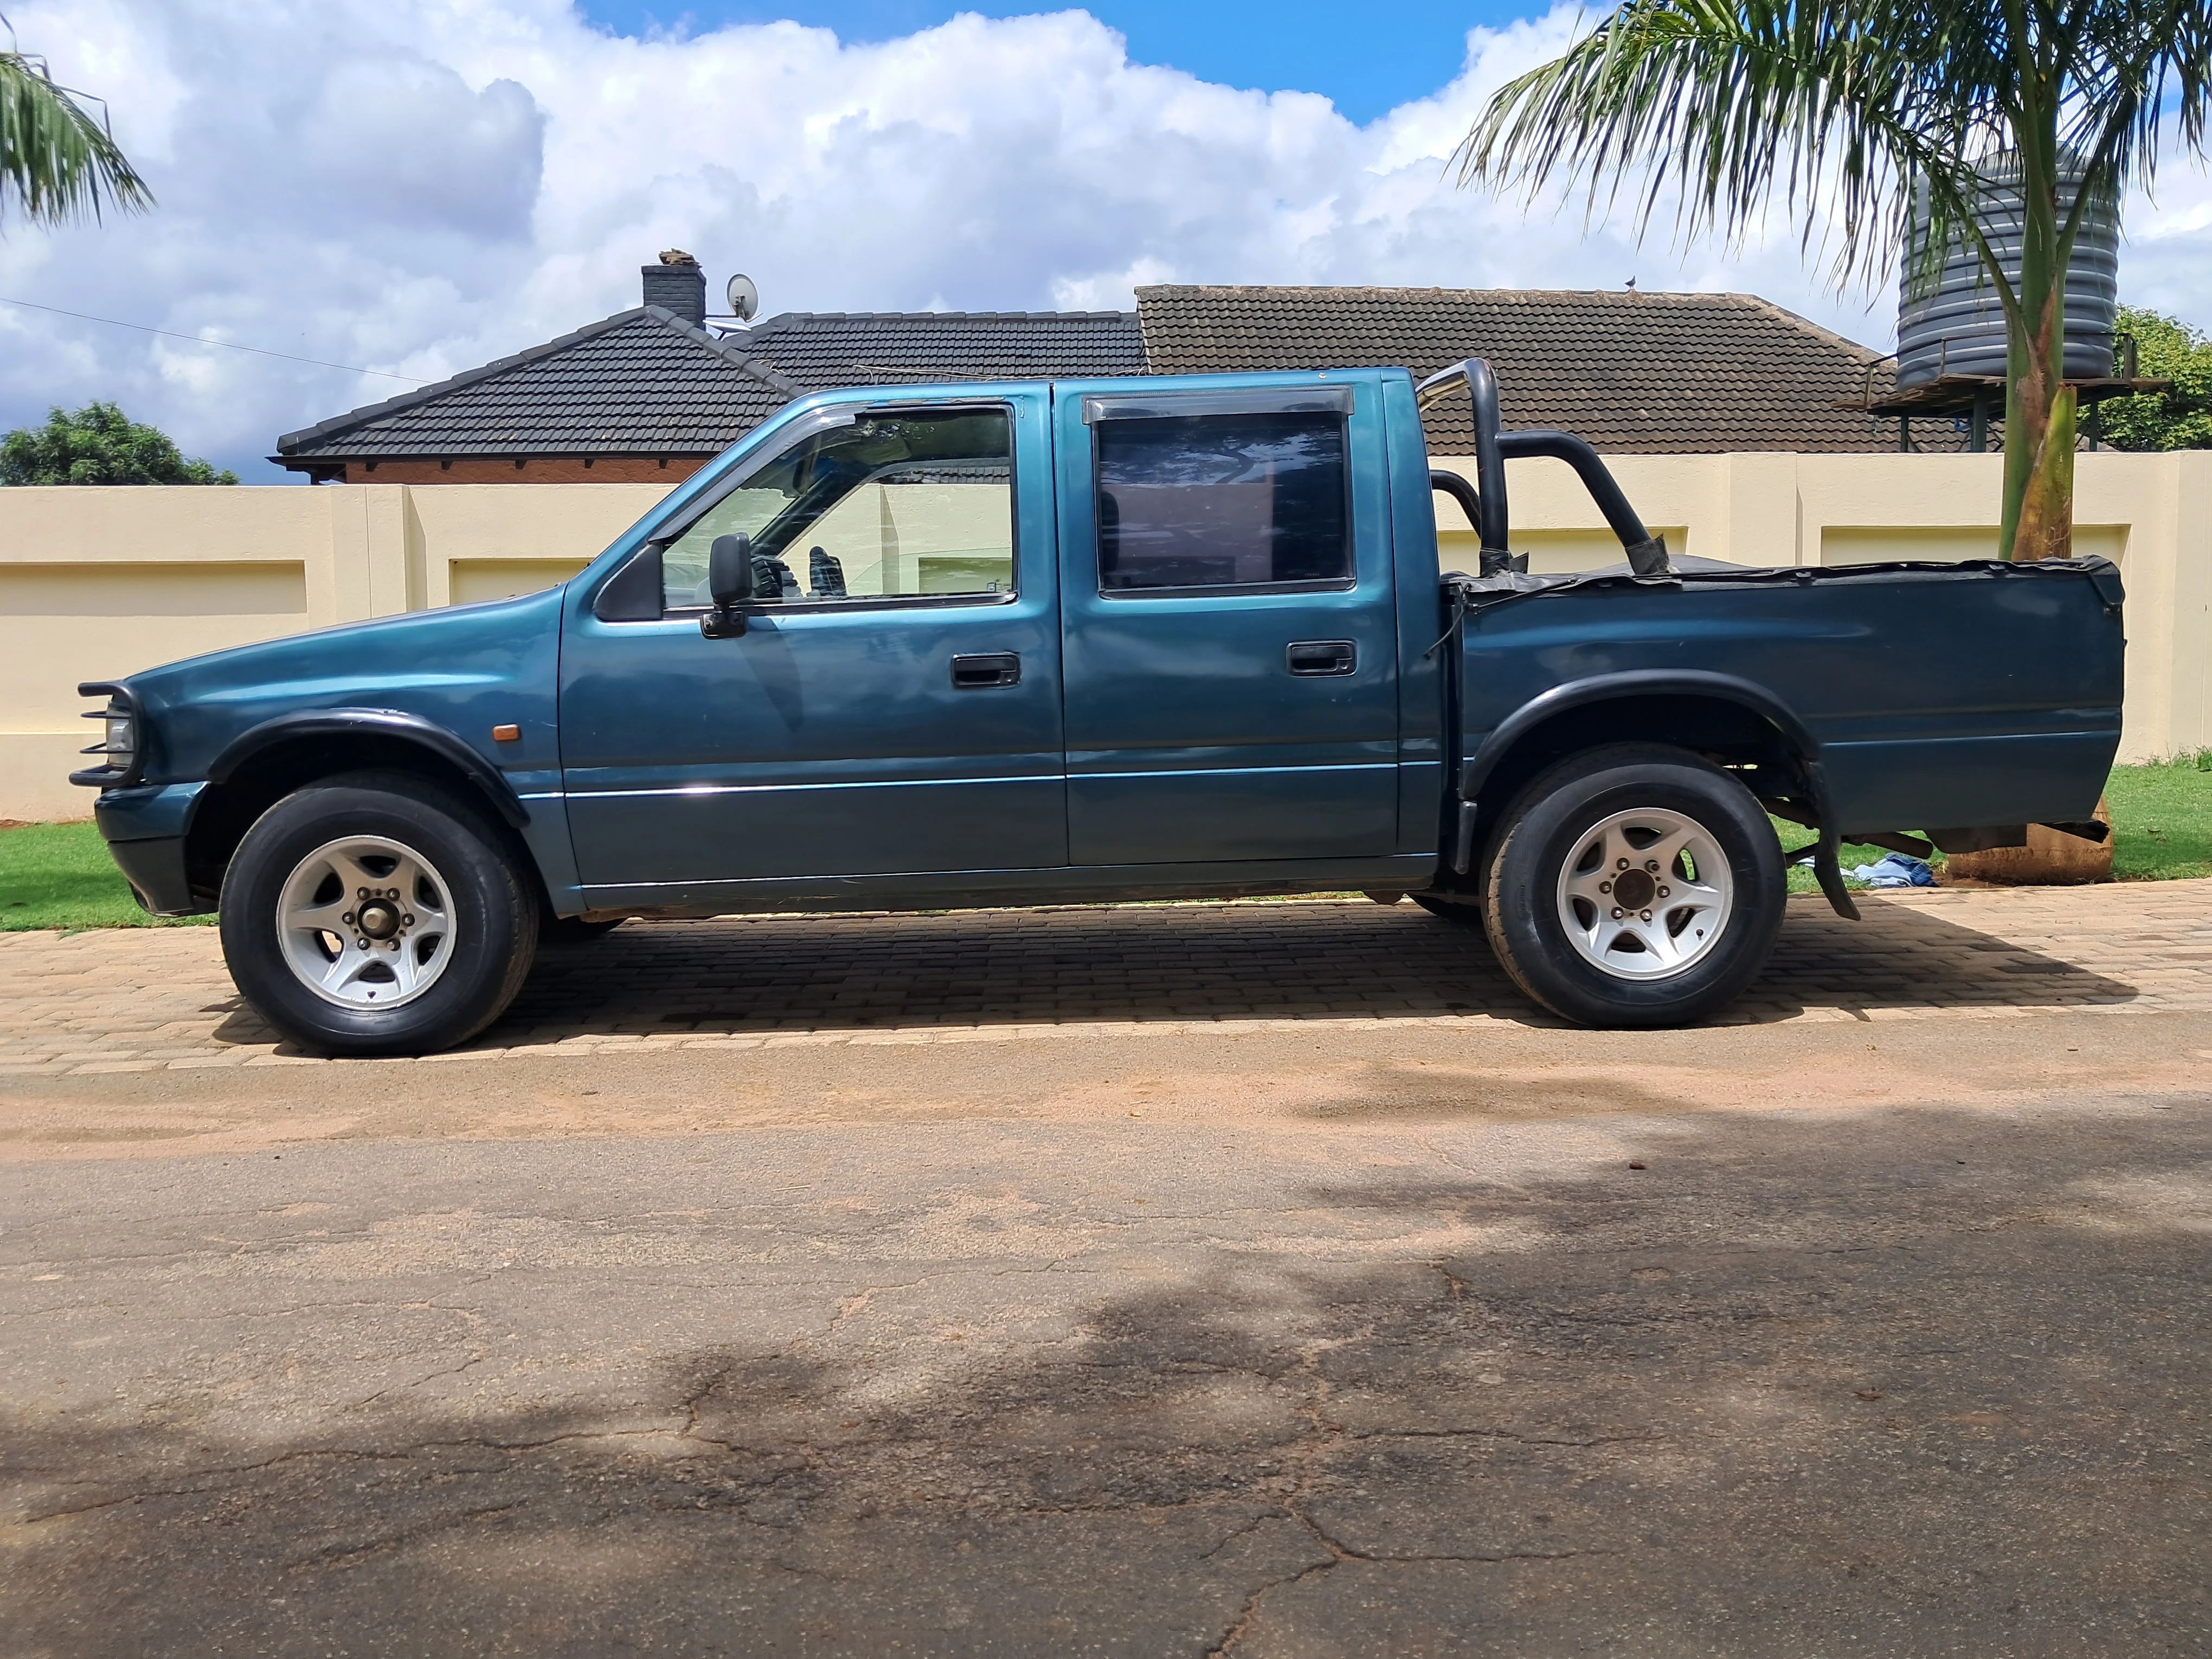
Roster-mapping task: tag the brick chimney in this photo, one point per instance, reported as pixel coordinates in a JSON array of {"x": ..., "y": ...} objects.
[{"x": 677, "y": 284}]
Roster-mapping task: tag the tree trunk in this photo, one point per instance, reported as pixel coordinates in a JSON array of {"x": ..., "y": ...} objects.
[
  {"x": 2039, "y": 462},
  {"x": 2039, "y": 481},
  {"x": 2046, "y": 530},
  {"x": 2039, "y": 411}
]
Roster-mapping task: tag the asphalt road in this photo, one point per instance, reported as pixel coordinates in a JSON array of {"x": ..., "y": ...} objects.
[{"x": 1790, "y": 1340}]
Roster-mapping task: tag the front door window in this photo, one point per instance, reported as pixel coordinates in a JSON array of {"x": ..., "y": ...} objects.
[{"x": 900, "y": 505}]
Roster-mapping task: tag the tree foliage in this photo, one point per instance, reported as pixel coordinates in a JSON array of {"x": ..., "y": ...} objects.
[
  {"x": 59, "y": 162},
  {"x": 98, "y": 445},
  {"x": 1731, "y": 108},
  {"x": 2166, "y": 350}
]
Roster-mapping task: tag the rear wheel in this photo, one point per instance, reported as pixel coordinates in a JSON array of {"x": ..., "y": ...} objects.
[
  {"x": 376, "y": 914},
  {"x": 1634, "y": 885}
]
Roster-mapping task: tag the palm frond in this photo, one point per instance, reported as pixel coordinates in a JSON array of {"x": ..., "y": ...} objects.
[
  {"x": 2136, "y": 68},
  {"x": 58, "y": 163},
  {"x": 1832, "y": 110}
]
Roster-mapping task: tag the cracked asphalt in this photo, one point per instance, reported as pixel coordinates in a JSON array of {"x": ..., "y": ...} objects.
[{"x": 1847, "y": 1338}]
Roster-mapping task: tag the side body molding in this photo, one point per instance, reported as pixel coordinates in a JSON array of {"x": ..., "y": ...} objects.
[{"x": 389, "y": 723}]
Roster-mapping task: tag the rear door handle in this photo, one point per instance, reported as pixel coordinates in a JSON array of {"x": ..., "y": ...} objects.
[
  {"x": 1304, "y": 657},
  {"x": 977, "y": 672}
]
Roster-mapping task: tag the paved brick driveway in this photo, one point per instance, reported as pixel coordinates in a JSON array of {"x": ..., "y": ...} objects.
[{"x": 139, "y": 999}]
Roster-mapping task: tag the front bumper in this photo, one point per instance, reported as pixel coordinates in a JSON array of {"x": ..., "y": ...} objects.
[
  {"x": 155, "y": 871},
  {"x": 145, "y": 832}
]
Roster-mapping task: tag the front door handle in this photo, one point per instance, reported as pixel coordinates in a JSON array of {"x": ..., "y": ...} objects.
[
  {"x": 975, "y": 673},
  {"x": 1304, "y": 657}
]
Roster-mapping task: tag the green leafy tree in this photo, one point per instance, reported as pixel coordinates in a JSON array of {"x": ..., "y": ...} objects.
[
  {"x": 1726, "y": 107},
  {"x": 2166, "y": 350},
  {"x": 59, "y": 162},
  {"x": 98, "y": 445}
]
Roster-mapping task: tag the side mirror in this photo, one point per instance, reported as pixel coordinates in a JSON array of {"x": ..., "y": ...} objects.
[
  {"x": 729, "y": 584},
  {"x": 730, "y": 571}
]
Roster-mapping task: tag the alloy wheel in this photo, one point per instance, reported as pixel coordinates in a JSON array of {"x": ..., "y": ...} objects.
[
  {"x": 366, "y": 922},
  {"x": 1645, "y": 894}
]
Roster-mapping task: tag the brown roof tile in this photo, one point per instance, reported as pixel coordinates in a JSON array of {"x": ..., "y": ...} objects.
[
  {"x": 1634, "y": 373},
  {"x": 646, "y": 382}
]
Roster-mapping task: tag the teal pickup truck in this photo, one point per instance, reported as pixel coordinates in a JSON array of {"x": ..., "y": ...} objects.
[{"x": 928, "y": 646}]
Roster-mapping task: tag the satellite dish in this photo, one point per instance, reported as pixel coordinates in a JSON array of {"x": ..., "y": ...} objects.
[{"x": 744, "y": 297}]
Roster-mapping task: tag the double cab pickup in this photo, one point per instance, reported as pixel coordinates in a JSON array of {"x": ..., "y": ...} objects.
[{"x": 934, "y": 646}]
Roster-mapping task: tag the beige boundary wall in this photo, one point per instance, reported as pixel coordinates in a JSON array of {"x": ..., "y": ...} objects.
[{"x": 96, "y": 584}]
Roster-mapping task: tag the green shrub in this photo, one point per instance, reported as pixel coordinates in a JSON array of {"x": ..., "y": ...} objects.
[{"x": 99, "y": 444}]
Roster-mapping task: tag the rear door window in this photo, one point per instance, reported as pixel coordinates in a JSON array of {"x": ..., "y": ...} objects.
[{"x": 1209, "y": 503}]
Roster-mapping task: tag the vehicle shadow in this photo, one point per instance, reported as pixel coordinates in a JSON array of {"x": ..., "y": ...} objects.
[{"x": 737, "y": 976}]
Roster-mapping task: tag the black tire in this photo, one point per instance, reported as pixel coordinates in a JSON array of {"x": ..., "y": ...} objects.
[
  {"x": 1459, "y": 914},
  {"x": 480, "y": 958},
  {"x": 1564, "y": 815}
]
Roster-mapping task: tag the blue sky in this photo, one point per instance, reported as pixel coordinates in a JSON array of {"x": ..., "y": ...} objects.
[
  {"x": 415, "y": 187},
  {"x": 1367, "y": 60}
]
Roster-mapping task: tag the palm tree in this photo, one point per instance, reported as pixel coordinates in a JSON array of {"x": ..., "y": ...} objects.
[
  {"x": 1725, "y": 108},
  {"x": 58, "y": 160}
]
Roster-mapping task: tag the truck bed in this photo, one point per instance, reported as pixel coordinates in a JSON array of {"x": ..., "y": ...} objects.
[{"x": 1983, "y": 693}]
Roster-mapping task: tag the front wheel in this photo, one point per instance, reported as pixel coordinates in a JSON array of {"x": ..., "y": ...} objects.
[
  {"x": 1634, "y": 885},
  {"x": 376, "y": 914}
]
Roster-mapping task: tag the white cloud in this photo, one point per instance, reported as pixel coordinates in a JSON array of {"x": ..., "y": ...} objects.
[{"x": 420, "y": 186}]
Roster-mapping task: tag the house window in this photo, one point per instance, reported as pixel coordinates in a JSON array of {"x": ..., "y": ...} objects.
[{"x": 1212, "y": 501}]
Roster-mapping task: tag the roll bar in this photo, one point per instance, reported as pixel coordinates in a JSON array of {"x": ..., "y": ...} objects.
[
  {"x": 1488, "y": 514},
  {"x": 1646, "y": 553},
  {"x": 1453, "y": 485}
]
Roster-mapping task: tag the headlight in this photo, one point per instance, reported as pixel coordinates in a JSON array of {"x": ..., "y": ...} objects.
[
  {"x": 122, "y": 737},
  {"x": 119, "y": 751}
]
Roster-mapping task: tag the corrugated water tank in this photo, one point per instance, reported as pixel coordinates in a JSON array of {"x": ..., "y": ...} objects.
[{"x": 1959, "y": 327}]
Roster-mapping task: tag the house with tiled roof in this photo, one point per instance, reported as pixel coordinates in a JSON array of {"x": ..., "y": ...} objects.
[
  {"x": 1634, "y": 373},
  {"x": 655, "y": 392}
]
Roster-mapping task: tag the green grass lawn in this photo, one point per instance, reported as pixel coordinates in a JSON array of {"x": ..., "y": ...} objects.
[
  {"x": 2161, "y": 824},
  {"x": 59, "y": 875},
  {"x": 1801, "y": 880},
  {"x": 2163, "y": 816}
]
